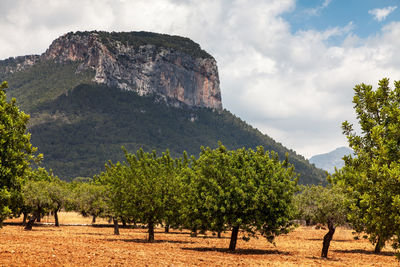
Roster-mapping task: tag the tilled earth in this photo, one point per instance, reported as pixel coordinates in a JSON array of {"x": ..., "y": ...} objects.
[{"x": 96, "y": 246}]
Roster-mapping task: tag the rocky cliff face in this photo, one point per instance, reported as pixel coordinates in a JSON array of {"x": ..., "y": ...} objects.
[
  {"x": 12, "y": 65},
  {"x": 147, "y": 65}
]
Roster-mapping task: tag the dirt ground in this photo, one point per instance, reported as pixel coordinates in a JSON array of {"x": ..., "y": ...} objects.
[{"x": 96, "y": 246}]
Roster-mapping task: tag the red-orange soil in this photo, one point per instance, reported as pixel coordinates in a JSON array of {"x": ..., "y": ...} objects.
[{"x": 94, "y": 246}]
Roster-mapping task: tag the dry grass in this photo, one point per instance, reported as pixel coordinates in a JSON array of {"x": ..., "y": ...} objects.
[{"x": 93, "y": 246}]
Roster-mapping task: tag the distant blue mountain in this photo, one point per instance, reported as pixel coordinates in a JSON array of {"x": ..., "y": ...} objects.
[{"x": 331, "y": 160}]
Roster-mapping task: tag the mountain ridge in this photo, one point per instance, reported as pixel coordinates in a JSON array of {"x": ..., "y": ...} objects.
[{"x": 328, "y": 161}]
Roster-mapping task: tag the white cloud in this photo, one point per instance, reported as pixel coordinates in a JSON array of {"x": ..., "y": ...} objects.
[
  {"x": 294, "y": 87},
  {"x": 317, "y": 10},
  {"x": 380, "y": 14}
]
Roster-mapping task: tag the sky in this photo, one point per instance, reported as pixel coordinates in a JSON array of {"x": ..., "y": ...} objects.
[{"x": 286, "y": 67}]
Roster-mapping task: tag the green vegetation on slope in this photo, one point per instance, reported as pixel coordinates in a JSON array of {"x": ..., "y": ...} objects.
[
  {"x": 43, "y": 82},
  {"x": 82, "y": 129}
]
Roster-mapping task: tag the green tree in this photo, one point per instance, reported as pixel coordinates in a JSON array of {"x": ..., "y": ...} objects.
[
  {"x": 16, "y": 152},
  {"x": 89, "y": 199},
  {"x": 326, "y": 205},
  {"x": 155, "y": 185},
  {"x": 59, "y": 193},
  {"x": 145, "y": 188},
  {"x": 174, "y": 188},
  {"x": 194, "y": 213},
  {"x": 36, "y": 196},
  {"x": 243, "y": 189},
  {"x": 116, "y": 193},
  {"x": 372, "y": 175}
]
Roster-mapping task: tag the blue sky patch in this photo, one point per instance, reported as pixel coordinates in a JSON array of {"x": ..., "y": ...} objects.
[{"x": 364, "y": 16}]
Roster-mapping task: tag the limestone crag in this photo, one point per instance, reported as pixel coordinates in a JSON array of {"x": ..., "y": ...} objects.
[
  {"x": 14, "y": 64},
  {"x": 146, "y": 68}
]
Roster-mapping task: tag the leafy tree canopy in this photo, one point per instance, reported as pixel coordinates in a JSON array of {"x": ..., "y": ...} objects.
[
  {"x": 242, "y": 189},
  {"x": 145, "y": 188},
  {"x": 42, "y": 192},
  {"x": 326, "y": 205},
  {"x": 89, "y": 199},
  {"x": 372, "y": 176},
  {"x": 16, "y": 151}
]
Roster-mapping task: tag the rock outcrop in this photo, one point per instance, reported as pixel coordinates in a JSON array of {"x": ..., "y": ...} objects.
[
  {"x": 14, "y": 64},
  {"x": 147, "y": 63}
]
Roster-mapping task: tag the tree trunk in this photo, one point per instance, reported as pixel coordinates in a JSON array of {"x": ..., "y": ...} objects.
[
  {"x": 151, "y": 232},
  {"x": 194, "y": 232},
  {"x": 123, "y": 222},
  {"x": 31, "y": 221},
  {"x": 379, "y": 245},
  {"x": 56, "y": 222},
  {"x": 94, "y": 219},
  {"x": 235, "y": 231},
  {"x": 167, "y": 228},
  {"x": 39, "y": 214},
  {"x": 219, "y": 234},
  {"x": 116, "y": 228},
  {"x": 327, "y": 239},
  {"x": 24, "y": 218}
]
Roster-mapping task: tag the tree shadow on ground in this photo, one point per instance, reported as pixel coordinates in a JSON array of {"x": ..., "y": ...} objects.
[
  {"x": 213, "y": 237},
  {"x": 42, "y": 229},
  {"x": 188, "y": 234},
  {"x": 99, "y": 225},
  {"x": 98, "y": 234},
  {"x": 239, "y": 251},
  {"x": 333, "y": 240},
  {"x": 171, "y": 233},
  {"x": 366, "y": 252},
  {"x": 320, "y": 258},
  {"x": 143, "y": 241}
]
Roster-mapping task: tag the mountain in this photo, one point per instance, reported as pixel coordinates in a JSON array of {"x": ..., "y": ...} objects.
[
  {"x": 331, "y": 160},
  {"x": 92, "y": 92},
  {"x": 171, "y": 67}
]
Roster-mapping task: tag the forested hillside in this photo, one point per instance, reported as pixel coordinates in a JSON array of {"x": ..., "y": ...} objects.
[{"x": 83, "y": 128}]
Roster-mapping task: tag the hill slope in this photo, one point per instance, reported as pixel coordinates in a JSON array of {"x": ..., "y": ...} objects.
[
  {"x": 79, "y": 131},
  {"x": 80, "y": 121},
  {"x": 329, "y": 161}
]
